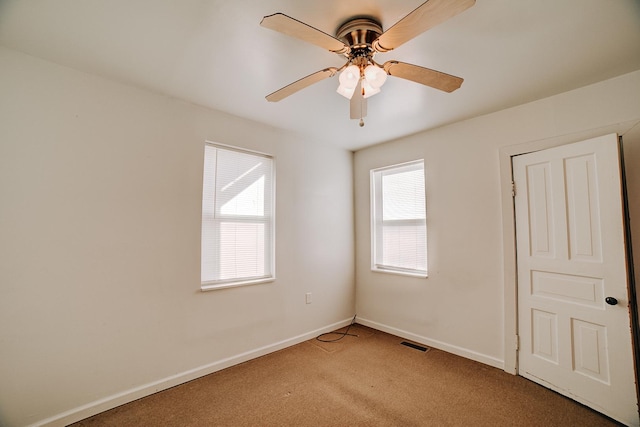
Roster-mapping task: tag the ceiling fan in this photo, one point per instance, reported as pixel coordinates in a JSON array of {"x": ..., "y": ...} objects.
[{"x": 359, "y": 39}]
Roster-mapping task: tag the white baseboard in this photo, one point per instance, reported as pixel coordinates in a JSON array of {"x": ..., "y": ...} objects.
[
  {"x": 459, "y": 351},
  {"x": 127, "y": 396}
]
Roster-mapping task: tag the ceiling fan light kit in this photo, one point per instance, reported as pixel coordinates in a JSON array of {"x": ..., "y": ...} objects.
[{"x": 359, "y": 39}]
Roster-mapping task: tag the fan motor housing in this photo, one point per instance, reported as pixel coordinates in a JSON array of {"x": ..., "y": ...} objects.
[{"x": 359, "y": 32}]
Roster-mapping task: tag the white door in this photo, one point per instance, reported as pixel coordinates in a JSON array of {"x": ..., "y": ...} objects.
[{"x": 571, "y": 262}]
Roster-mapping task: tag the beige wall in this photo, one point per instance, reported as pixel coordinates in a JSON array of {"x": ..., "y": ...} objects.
[
  {"x": 464, "y": 306},
  {"x": 100, "y": 197}
]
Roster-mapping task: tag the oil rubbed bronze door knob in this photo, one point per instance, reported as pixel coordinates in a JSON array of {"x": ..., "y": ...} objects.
[{"x": 611, "y": 300}]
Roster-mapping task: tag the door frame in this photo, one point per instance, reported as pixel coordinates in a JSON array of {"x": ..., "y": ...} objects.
[{"x": 510, "y": 295}]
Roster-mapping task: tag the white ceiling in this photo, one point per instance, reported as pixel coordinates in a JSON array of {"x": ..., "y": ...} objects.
[{"x": 214, "y": 53}]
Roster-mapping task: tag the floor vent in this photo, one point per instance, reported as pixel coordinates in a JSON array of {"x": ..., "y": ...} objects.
[{"x": 416, "y": 346}]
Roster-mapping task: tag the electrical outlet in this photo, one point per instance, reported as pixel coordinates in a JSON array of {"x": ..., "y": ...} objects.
[{"x": 308, "y": 297}]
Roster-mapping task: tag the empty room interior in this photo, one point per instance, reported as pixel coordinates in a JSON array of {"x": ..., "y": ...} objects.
[{"x": 188, "y": 186}]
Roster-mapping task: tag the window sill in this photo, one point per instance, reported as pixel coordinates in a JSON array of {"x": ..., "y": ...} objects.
[
  {"x": 420, "y": 275},
  {"x": 205, "y": 287}
]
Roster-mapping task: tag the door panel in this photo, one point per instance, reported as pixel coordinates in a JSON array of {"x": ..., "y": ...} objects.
[
  {"x": 590, "y": 350},
  {"x": 570, "y": 257},
  {"x": 544, "y": 329},
  {"x": 582, "y": 209},
  {"x": 567, "y": 288},
  {"x": 541, "y": 227}
]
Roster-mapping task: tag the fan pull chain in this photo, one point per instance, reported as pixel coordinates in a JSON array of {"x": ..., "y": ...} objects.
[{"x": 361, "y": 102}]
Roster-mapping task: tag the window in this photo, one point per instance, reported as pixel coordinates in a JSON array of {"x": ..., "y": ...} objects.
[
  {"x": 237, "y": 218},
  {"x": 398, "y": 219}
]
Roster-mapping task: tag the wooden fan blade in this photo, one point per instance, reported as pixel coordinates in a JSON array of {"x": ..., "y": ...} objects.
[
  {"x": 426, "y": 16},
  {"x": 358, "y": 104},
  {"x": 425, "y": 76},
  {"x": 301, "y": 84},
  {"x": 294, "y": 28}
]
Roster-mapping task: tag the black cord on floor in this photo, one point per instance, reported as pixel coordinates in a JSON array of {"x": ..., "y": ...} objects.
[{"x": 342, "y": 334}]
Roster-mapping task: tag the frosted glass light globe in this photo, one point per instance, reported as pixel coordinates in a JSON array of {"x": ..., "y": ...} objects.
[
  {"x": 350, "y": 76},
  {"x": 375, "y": 76},
  {"x": 349, "y": 79}
]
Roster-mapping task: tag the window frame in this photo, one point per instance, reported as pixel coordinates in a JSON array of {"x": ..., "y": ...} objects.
[
  {"x": 268, "y": 218},
  {"x": 377, "y": 221}
]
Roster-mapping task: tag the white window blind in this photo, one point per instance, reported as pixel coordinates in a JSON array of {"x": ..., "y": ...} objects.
[
  {"x": 398, "y": 219},
  {"x": 237, "y": 217}
]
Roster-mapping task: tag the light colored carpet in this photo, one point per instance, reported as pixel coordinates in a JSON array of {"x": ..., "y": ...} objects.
[{"x": 369, "y": 380}]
